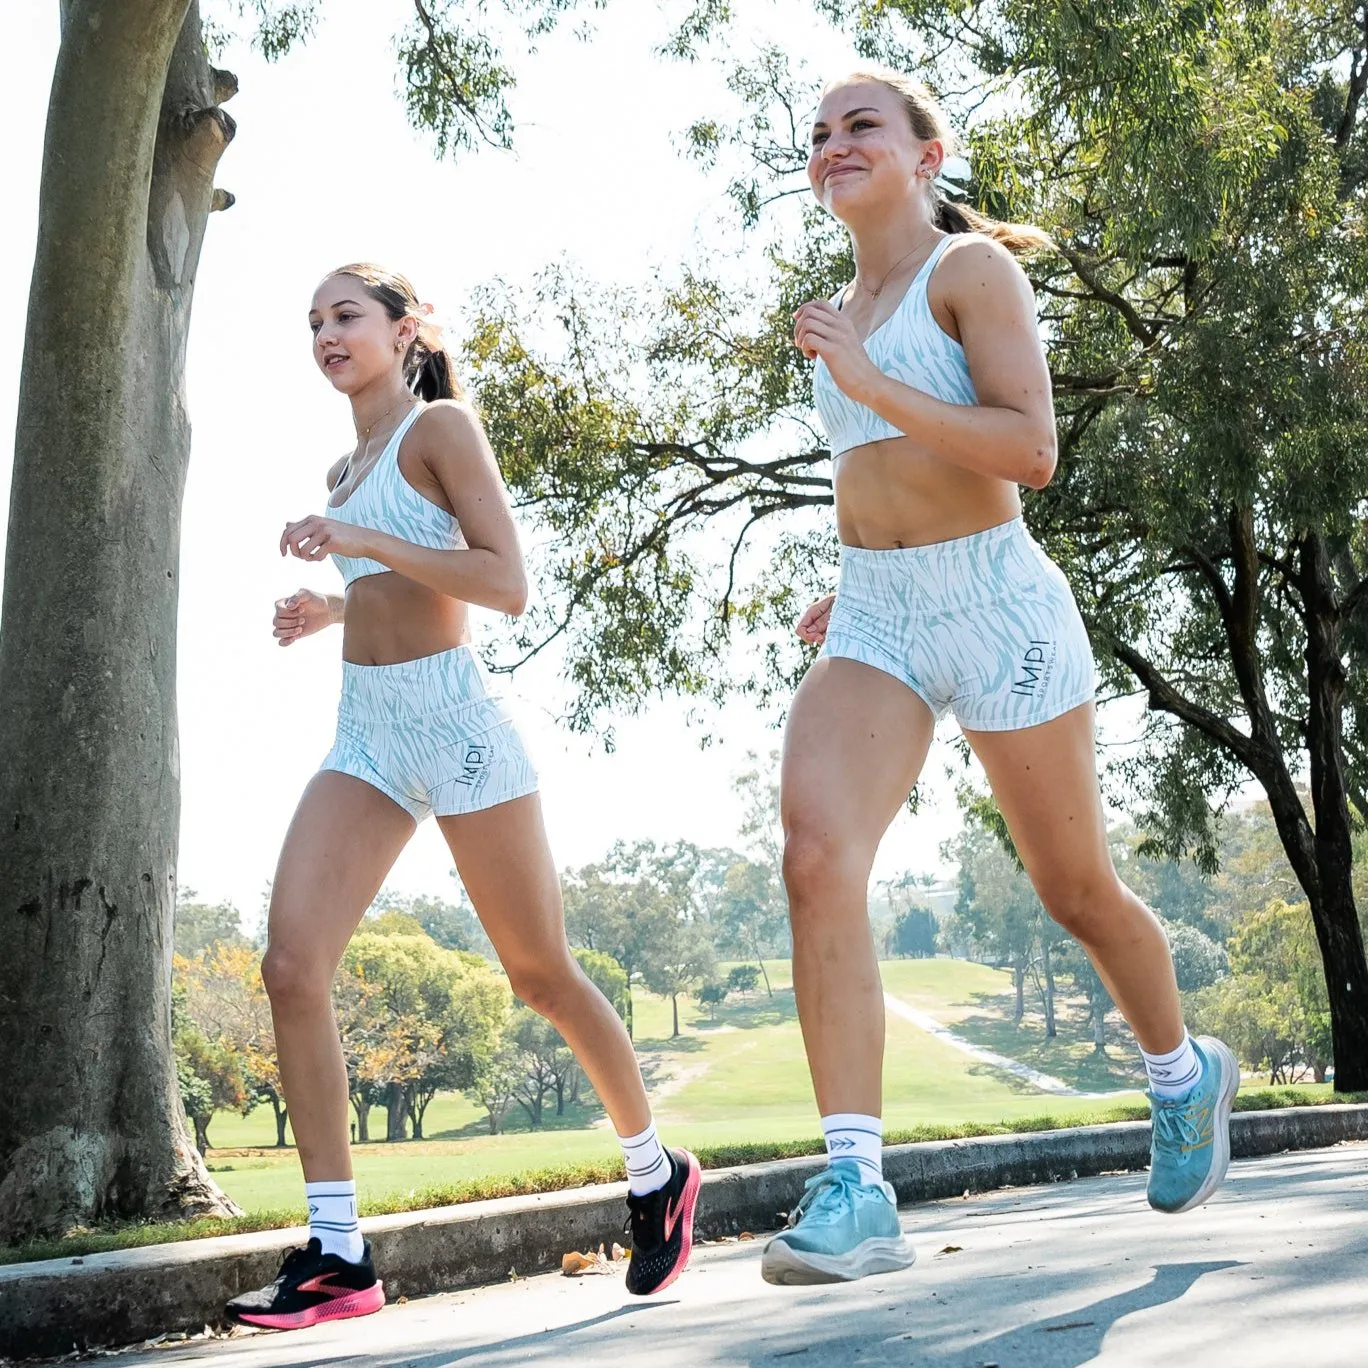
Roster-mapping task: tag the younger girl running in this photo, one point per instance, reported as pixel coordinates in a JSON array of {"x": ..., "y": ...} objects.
[
  {"x": 420, "y": 526},
  {"x": 932, "y": 384}
]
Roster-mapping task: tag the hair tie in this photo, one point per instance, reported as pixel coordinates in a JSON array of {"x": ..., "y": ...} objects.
[{"x": 953, "y": 179}]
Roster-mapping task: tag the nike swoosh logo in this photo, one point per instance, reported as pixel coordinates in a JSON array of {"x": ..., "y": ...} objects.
[{"x": 672, "y": 1211}]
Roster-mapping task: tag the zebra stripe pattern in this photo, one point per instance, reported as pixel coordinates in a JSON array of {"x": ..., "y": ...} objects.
[
  {"x": 384, "y": 501},
  {"x": 431, "y": 734},
  {"x": 911, "y": 347},
  {"x": 985, "y": 625}
]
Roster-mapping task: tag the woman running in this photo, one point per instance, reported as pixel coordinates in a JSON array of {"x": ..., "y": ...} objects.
[
  {"x": 932, "y": 385},
  {"x": 419, "y": 523}
]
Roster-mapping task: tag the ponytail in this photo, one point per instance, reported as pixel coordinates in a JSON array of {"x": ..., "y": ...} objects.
[
  {"x": 952, "y": 217},
  {"x": 428, "y": 366},
  {"x": 429, "y": 369}
]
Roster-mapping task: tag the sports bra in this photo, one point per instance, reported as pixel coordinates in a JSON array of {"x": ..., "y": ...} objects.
[
  {"x": 909, "y": 346},
  {"x": 385, "y": 502}
]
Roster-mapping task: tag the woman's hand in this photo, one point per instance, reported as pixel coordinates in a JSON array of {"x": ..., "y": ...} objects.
[
  {"x": 301, "y": 615},
  {"x": 821, "y": 329},
  {"x": 313, "y": 538},
  {"x": 812, "y": 626}
]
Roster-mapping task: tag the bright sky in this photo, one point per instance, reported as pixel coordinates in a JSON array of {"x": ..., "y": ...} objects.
[{"x": 326, "y": 170}]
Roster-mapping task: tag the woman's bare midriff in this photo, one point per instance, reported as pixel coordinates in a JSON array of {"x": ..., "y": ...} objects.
[
  {"x": 391, "y": 618},
  {"x": 891, "y": 494}
]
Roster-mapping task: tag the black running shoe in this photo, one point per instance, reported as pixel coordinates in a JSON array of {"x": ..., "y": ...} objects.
[
  {"x": 312, "y": 1286},
  {"x": 661, "y": 1227}
]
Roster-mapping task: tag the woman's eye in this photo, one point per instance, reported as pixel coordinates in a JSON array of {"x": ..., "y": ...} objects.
[{"x": 861, "y": 123}]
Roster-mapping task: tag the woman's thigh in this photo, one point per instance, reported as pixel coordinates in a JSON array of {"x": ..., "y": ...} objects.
[
  {"x": 855, "y": 743},
  {"x": 343, "y": 840}
]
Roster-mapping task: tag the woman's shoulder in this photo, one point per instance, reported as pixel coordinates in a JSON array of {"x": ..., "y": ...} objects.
[{"x": 447, "y": 426}]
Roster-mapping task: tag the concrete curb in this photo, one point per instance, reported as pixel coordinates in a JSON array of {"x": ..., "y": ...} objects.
[{"x": 53, "y": 1307}]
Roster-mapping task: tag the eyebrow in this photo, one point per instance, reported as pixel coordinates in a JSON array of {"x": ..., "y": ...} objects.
[
  {"x": 850, "y": 114},
  {"x": 337, "y": 304}
]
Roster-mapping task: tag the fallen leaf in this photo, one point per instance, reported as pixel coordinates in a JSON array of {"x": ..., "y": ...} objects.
[
  {"x": 745, "y": 1235},
  {"x": 576, "y": 1265},
  {"x": 618, "y": 1253},
  {"x": 950, "y": 1249}
]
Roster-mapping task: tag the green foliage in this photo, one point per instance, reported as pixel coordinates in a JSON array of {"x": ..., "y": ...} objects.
[
  {"x": 1198, "y": 961},
  {"x": 913, "y": 934},
  {"x": 741, "y": 978},
  {"x": 712, "y": 996},
  {"x": 609, "y": 977},
  {"x": 1272, "y": 1009},
  {"x": 199, "y": 926}
]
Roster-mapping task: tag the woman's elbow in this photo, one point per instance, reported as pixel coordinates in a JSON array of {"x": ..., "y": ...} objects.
[
  {"x": 1040, "y": 460},
  {"x": 515, "y": 599}
]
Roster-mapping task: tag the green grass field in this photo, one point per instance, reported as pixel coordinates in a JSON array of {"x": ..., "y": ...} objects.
[{"x": 736, "y": 1078}]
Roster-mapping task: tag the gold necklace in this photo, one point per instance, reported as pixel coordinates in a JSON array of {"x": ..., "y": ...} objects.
[
  {"x": 888, "y": 274},
  {"x": 365, "y": 434}
]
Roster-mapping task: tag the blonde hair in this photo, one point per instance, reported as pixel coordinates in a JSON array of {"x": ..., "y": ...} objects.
[
  {"x": 428, "y": 367},
  {"x": 928, "y": 120}
]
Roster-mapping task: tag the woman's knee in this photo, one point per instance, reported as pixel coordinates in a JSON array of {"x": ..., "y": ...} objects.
[
  {"x": 1087, "y": 903},
  {"x": 547, "y": 987},
  {"x": 817, "y": 860},
  {"x": 294, "y": 976}
]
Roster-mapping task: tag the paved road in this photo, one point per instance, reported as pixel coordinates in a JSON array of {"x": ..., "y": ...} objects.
[{"x": 1274, "y": 1271}]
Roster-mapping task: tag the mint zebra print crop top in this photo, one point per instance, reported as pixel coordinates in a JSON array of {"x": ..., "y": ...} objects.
[{"x": 910, "y": 346}]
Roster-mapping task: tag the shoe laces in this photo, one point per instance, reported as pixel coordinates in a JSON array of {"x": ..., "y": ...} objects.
[
  {"x": 644, "y": 1217},
  {"x": 826, "y": 1197},
  {"x": 1174, "y": 1129}
]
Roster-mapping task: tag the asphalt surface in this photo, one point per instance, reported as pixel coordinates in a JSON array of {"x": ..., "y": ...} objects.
[{"x": 1274, "y": 1270}]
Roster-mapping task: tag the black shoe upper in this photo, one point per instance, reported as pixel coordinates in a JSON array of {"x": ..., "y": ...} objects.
[
  {"x": 283, "y": 1294},
  {"x": 653, "y": 1256}
]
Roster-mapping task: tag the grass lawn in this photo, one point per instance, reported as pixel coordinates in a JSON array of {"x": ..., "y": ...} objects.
[
  {"x": 976, "y": 1002},
  {"x": 736, "y": 1076},
  {"x": 732, "y": 1078}
]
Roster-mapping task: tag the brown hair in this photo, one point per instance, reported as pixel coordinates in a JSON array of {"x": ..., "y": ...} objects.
[
  {"x": 428, "y": 366},
  {"x": 929, "y": 121}
]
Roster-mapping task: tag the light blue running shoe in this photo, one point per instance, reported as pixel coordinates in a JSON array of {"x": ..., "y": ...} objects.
[
  {"x": 1190, "y": 1149},
  {"x": 841, "y": 1230}
]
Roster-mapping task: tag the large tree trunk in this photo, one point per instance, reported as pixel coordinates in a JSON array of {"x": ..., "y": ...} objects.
[
  {"x": 362, "y": 1110},
  {"x": 91, "y": 1124},
  {"x": 1333, "y": 911},
  {"x": 396, "y": 1113},
  {"x": 282, "y": 1115}
]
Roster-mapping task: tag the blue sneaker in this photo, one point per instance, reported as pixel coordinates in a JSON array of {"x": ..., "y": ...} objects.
[
  {"x": 842, "y": 1230},
  {"x": 1190, "y": 1149}
]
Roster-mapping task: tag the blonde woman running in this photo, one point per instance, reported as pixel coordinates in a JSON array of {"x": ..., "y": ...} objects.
[{"x": 932, "y": 385}]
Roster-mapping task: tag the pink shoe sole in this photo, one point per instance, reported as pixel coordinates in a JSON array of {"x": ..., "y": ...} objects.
[
  {"x": 364, "y": 1303},
  {"x": 691, "y": 1188}
]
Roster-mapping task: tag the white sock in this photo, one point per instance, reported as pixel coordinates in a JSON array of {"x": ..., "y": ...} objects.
[
  {"x": 648, "y": 1166},
  {"x": 1174, "y": 1073},
  {"x": 852, "y": 1136},
  {"x": 332, "y": 1217}
]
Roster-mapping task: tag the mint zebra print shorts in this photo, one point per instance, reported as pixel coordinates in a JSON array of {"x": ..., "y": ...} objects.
[
  {"x": 985, "y": 626},
  {"x": 431, "y": 735}
]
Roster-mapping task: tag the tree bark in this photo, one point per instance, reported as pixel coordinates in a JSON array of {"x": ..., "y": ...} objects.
[
  {"x": 282, "y": 1116},
  {"x": 362, "y": 1110},
  {"x": 1049, "y": 995},
  {"x": 89, "y": 782},
  {"x": 396, "y": 1113},
  {"x": 1334, "y": 912}
]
